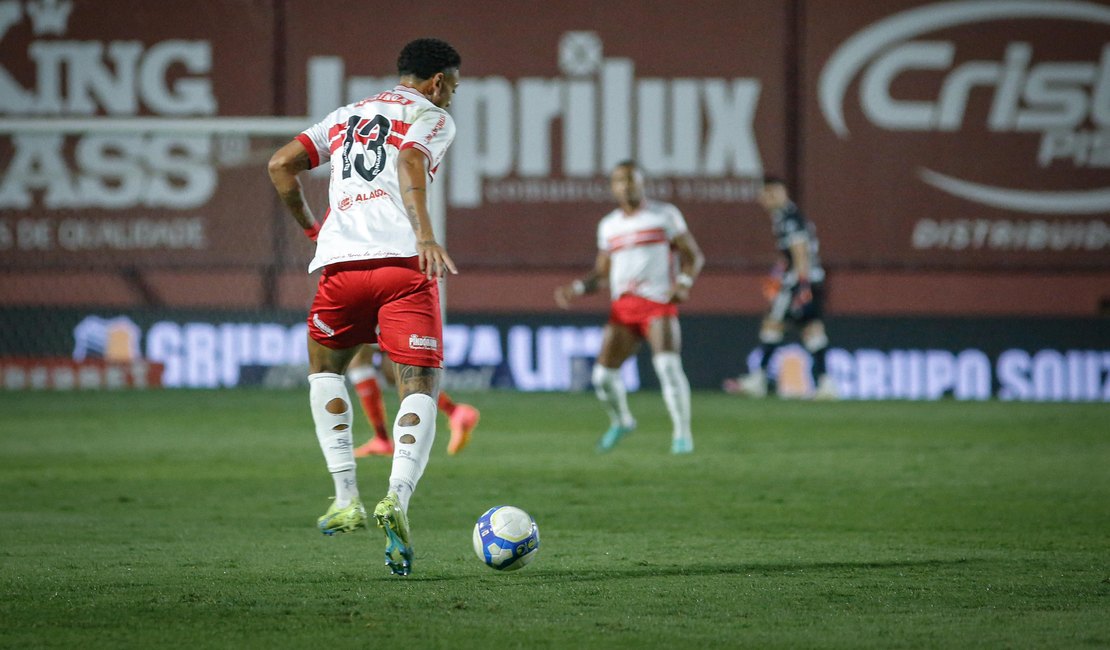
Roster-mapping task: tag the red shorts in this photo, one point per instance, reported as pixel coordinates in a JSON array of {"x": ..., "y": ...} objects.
[
  {"x": 636, "y": 313},
  {"x": 384, "y": 300}
]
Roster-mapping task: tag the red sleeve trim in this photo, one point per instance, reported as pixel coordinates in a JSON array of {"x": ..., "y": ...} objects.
[
  {"x": 416, "y": 145},
  {"x": 310, "y": 147},
  {"x": 427, "y": 154}
]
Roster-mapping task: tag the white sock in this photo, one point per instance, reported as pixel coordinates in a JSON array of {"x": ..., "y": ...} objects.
[
  {"x": 412, "y": 444},
  {"x": 610, "y": 390},
  {"x": 358, "y": 374},
  {"x": 676, "y": 391},
  {"x": 333, "y": 430}
]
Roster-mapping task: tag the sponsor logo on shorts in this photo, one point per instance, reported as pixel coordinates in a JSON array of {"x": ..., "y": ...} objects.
[
  {"x": 322, "y": 326},
  {"x": 417, "y": 342}
]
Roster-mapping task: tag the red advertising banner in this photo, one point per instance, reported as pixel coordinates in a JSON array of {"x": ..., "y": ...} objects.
[
  {"x": 925, "y": 137},
  {"x": 40, "y": 373},
  {"x": 958, "y": 134},
  {"x": 553, "y": 95},
  {"x": 126, "y": 197}
]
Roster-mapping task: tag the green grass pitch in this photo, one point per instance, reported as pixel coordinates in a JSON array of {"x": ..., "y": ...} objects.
[{"x": 186, "y": 519}]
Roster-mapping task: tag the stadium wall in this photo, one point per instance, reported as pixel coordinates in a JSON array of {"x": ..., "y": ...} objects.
[
  {"x": 953, "y": 155},
  {"x": 914, "y": 358}
]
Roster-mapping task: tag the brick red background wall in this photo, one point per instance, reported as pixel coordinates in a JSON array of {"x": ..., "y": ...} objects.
[{"x": 551, "y": 96}]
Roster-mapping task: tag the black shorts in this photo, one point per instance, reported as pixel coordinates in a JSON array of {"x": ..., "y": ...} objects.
[{"x": 813, "y": 310}]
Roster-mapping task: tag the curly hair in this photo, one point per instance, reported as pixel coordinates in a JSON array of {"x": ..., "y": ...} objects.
[{"x": 424, "y": 57}]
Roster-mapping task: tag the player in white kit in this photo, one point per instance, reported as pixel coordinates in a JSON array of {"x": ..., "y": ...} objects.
[
  {"x": 379, "y": 263},
  {"x": 635, "y": 243}
]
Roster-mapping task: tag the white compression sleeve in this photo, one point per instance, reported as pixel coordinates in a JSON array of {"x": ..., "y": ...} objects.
[
  {"x": 610, "y": 390},
  {"x": 412, "y": 444},
  {"x": 676, "y": 390},
  {"x": 331, "y": 411}
]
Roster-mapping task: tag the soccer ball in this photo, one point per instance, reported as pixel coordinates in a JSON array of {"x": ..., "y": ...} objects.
[{"x": 506, "y": 538}]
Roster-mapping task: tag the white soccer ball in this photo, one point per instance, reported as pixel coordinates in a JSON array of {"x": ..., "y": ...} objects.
[{"x": 506, "y": 538}]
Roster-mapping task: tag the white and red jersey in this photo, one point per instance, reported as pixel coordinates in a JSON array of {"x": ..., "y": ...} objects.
[
  {"x": 639, "y": 248},
  {"x": 366, "y": 217}
]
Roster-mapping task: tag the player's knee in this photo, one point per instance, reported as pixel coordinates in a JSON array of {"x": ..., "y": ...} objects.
[
  {"x": 668, "y": 365},
  {"x": 603, "y": 374},
  {"x": 770, "y": 335},
  {"x": 815, "y": 340}
]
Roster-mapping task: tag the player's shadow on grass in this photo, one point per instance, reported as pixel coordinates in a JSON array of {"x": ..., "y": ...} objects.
[
  {"x": 650, "y": 570},
  {"x": 637, "y": 569}
]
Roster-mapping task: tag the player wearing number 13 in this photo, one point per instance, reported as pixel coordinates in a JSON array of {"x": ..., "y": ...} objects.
[{"x": 379, "y": 263}]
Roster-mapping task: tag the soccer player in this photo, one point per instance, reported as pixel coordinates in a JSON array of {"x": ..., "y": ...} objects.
[
  {"x": 635, "y": 242},
  {"x": 799, "y": 298},
  {"x": 363, "y": 374},
  {"x": 380, "y": 264}
]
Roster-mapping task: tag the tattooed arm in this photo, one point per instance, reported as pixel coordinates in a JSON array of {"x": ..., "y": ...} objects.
[
  {"x": 412, "y": 174},
  {"x": 284, "y": 166}
]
